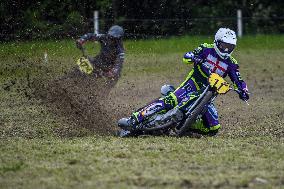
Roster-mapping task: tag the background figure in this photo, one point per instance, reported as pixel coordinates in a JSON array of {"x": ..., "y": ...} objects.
[{"x": 108, "y": 62}]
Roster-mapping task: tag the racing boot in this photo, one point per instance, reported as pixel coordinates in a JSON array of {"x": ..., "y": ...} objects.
[
  {"x": 132, "y": 122},
  {"x": 129, "y": 123}
]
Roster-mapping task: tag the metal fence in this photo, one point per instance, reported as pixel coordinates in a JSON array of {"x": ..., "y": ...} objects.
[
  {"x": 145, "y": 28},
  {"x": 153, "y": 28}
]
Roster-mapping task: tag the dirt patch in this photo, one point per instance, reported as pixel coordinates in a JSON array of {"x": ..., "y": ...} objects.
[
  {"x": 262, "y": 117},
  {"x": 80, "y": 100},
  {"x": 93, "y": 104}
]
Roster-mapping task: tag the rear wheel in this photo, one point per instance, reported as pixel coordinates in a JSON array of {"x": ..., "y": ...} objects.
[{"x": 199, "y": 109}]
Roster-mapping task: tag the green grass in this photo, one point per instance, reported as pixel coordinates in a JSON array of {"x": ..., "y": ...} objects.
[
  {"x": 248, "y": 153},
  {"x": 162, "y": 162},
  {"x": 66, "y": 48}
]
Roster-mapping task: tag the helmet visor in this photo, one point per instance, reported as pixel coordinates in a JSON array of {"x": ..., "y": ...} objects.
[{"x": 225, "y": 47}]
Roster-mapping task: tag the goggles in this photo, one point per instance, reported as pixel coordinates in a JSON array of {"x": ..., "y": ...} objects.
[{"x": 225, "y": 47}]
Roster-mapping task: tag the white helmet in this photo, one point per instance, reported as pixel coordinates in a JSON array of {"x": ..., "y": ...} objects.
[
  {"x": 225, "y": 42},
  {"x": 116, "y": 31}
]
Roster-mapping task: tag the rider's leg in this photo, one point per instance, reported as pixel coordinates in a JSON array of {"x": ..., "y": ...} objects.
[
  {"x": 211, "y": 119},
  {"x": 159, "y": 105},
  {"x": 209, "y": 123},
  {"x": 114, "y": 73},
  {"x": 95, "y": 61},
  {"x": 166, "y": 103}
]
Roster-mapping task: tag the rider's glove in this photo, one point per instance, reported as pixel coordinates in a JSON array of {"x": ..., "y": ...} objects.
[
  {"x": 188, "y": 57},
  {"x": 243, "y": 92},
  {"x": 244, "y": 95}
]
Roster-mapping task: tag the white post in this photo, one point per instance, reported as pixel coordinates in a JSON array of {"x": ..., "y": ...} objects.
[
  {"x": 96, "y": 22},
  {"x": 45, "y": 56},
  {"x": 240, "y": 23}
]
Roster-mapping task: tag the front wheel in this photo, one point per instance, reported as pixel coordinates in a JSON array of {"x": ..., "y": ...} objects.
[{"x": 195, "y": 113}]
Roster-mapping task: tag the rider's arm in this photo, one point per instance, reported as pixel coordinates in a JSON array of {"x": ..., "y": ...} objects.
[
  {"x": 88, "y": 37},
  {"x": 238, "y": 82},
  {"x": 196, "y": 55}
]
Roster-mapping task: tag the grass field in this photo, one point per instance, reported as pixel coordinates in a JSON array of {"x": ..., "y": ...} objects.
[{"x": 40, "y": 148}]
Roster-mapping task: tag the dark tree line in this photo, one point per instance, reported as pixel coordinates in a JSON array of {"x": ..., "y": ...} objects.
[{"x": 21, "y": 19}]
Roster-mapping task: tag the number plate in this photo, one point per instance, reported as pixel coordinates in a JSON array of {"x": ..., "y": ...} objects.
[{"x": 218, "y": 83}]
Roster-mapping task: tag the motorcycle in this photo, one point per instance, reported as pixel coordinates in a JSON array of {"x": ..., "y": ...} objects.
[{"x": 175, "y": 122}]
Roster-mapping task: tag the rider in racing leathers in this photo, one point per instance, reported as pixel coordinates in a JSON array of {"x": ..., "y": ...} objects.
[
  {"x": 109, "y": 61},
  {"x": 207, "y": 58}
]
